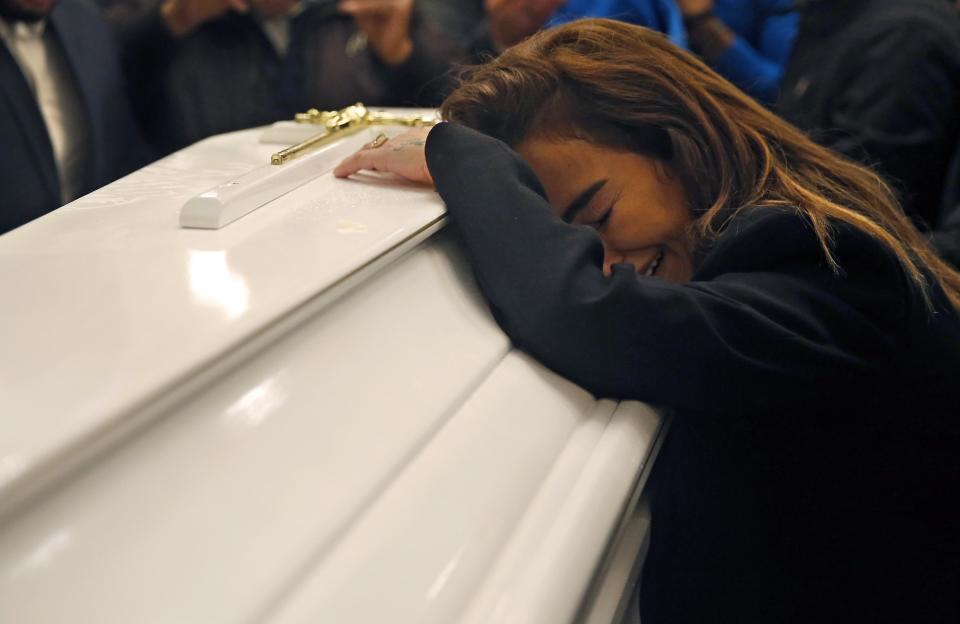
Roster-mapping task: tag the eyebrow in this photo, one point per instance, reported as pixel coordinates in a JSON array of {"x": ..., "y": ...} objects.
[{"x": 581, "y": 201}]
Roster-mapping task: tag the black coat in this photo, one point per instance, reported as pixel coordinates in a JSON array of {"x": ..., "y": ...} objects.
[
  {"x": 879, "y": 81},
  {"x": 29, "y": 183},
  {"x": 815, "y": 413}
]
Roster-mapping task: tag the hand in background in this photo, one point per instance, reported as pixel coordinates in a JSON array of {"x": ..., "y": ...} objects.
[
  {"x": 183, "y": 16},
  {"x": 272, "y": 8},
  {"x": 386, "y": 24},
  {"x": 692, "y": 8},
  {"x": 404, "y": 155},
  {"x": 512, "y": 21},
  {"x": 708, "y": 35}
]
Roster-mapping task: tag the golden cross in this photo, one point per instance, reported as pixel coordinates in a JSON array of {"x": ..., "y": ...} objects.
[{"x": 344, "y": 122}]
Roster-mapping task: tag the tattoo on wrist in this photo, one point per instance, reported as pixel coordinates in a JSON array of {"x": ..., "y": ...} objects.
[{"x": 417, "y": 143}]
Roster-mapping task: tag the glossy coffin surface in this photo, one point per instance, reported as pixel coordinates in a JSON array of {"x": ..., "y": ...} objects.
[
  {"x": 109, "y": 304},
  {"x": 306, "y": 416}
]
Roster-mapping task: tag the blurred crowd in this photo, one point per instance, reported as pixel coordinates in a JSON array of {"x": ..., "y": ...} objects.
[{"x": 91, "y": 92}]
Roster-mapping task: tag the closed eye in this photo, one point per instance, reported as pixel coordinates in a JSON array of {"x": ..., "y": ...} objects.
[
  {"x": 579, "y": 204},
  {"x": 599, "y": 223}
]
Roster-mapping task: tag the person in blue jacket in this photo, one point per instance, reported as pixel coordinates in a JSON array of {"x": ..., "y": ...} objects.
[
  {"x": 746, "y": 41},
  {"x": 508, "y": 22},
  {"x": 661, "y": 15}
]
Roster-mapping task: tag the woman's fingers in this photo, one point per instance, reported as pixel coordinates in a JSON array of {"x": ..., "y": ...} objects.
[
  {"x": 403, "y": 155},
  {"x": 364, "y": 159}
]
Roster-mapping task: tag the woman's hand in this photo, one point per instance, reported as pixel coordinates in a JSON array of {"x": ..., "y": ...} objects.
[{"x": 403, "y": 155}]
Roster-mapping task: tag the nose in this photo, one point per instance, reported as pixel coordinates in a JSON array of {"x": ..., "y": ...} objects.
[{"x": 610, "y": 258}]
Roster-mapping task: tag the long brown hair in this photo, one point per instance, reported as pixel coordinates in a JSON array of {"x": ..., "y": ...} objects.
[{"x": 627, "y": 87}]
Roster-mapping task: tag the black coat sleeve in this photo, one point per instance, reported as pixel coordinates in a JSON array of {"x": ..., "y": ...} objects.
[{"x": 764, "y": 324}]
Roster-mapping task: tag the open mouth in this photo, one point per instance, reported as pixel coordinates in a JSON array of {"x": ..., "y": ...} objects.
[{"x": 652, "y": 269}]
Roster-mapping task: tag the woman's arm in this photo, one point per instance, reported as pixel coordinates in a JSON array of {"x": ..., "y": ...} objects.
[{"x": 765, "y": 324}]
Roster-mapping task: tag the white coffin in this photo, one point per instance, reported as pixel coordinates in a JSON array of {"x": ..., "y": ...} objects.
[{"x": 307, "y": 416}]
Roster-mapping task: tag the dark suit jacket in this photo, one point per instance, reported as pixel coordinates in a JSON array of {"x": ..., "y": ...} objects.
[
  {"x": 28, "y": 173},
  {"x": 811, "y": 468}
]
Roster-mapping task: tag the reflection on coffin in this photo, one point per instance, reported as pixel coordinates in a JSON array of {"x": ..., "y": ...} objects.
[{"x": 306, "y": 416}]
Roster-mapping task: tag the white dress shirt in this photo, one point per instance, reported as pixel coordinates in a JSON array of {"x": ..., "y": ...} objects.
[
  {"x": 46, "y": 70},
  {"x": 277, "y": 30}
]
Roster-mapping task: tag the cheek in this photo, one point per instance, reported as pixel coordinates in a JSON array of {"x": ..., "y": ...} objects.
[
  {"x": 638, "y": 258},
  {"x": 677, "y": 266},
  {"x": 649, "y": 229}
]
